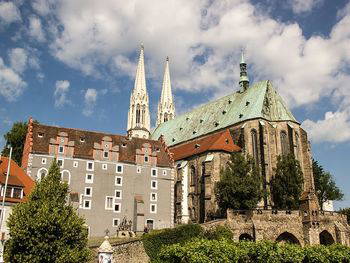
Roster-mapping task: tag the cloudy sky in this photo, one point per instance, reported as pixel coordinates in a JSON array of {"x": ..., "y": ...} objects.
[{"x": 72, "y": 63}]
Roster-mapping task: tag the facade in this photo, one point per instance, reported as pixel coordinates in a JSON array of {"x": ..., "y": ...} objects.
[
  {"x": 255, "y": 121},
  {"x": 109, "y": 176},
  {"x": 19, "y": 186}
]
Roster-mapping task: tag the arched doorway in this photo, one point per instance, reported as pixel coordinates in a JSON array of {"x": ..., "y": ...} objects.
[
  {"x": 245, "y": 237},
  {"x": 287, "y": 237},
  {"x": 326, "y": 238}
]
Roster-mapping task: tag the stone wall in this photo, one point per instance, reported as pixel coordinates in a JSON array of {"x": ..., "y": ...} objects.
[{"x": 130, "y": 251}]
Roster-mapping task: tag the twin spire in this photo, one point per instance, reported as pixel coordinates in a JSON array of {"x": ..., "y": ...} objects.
[{"x": 139, "y": 115}]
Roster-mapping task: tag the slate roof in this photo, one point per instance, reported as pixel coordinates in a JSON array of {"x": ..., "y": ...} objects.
[
  {"x": 84, "y": 149},
  {"x": 221, "y": 141},
  {"x": 17, "y": 178},
  {"x": 260, "y": 100}
]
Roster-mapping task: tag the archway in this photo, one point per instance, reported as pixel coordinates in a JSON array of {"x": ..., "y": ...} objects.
[
  {"x": 245, "y": 237},
  {"x": 326, "y": 238},
  {"x": 287, "y": 237}
]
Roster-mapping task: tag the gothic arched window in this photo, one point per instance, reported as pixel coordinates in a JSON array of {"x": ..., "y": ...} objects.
[
  {"x": 255, "y": 151},
  {"x": 143, "y": 114},
  {"x": 41, "y": 174},
  {"x": 138, "y": 114},
  {"x": 193, "y": 175},
  {"x": 284, "y": 143}
]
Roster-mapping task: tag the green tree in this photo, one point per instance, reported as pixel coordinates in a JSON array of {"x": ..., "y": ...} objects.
[
  {"x": 16, "y": 138},
  {"x": 46, "y": 228},
  {"x": 240, "y": 185},
  {"x": 346, "y": 211},
  {"x": 325, "y": 186},
  {"x": 287, "y": 184}
]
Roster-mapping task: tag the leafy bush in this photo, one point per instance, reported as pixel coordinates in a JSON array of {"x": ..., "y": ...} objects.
[
  {"x": 217, "y": 233},
  {"x": 224, "y": 250},
  {"x": 153, "y": 241}
]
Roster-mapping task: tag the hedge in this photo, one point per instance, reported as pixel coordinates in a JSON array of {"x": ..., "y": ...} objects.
[
  {"x": 225, "y": 250},
  {"x": 156, "y": 239}
]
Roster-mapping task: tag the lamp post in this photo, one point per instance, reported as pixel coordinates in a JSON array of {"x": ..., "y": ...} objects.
[{"x": 3, "y": 207}]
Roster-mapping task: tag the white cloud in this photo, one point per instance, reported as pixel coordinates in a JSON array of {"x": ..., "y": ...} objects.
[
  {"x": 334, "y": 128},
  {"x": 9, "y": 12},
  {"x": 301, "y": 6},
  {"x": 60, "y": 94},
  {"x": 42, "y": 7},
  {"x": 203, "y": 40},
  {"x": 35, "y": 29},
  {"x": 11, "y": 83},
  {"x": 18, "y": 59},
  {"x": 90, "y": 98}
]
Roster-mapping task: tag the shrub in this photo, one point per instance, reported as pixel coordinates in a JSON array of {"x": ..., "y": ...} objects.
[
  {"x": 154, "y": 240},
  {"x": 219, "y": 232},
  {"x": 224, "y": 250}
]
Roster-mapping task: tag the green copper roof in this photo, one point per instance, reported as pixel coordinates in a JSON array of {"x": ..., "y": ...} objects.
[{"x": 259, "y": 101}]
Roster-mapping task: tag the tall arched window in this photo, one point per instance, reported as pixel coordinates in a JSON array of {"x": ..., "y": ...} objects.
[
  {"x": 165, "y": 117},
  {"x": 138, "y": 112},
  {"x": 284, "y": 143},
  {"x": 255, "y": 151},
  {"x": 193, "y": 175},
  {"x": 143, "y": 114},
  {"x": 297, "y": 145}
]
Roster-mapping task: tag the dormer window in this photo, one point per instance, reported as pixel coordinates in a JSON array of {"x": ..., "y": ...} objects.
[
  {"x": 196, "y": 146},
  {"x": 229, "y": 101},
  {"x": 124, "y": 144},
  {"x": 200, "y": 120},
  {"x": 224, "y": 112},
  {"x": 216, "y": 124},
  {"x": 105, "y": 154},
  {"x": 194, "y": 132},
  {"x": 40, "y": 134},
  {"x": 60, "y": 149},
  {"x": 82, "y": 139}
]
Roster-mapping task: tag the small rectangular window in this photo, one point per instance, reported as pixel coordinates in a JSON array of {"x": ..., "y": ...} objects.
[
  {"x": 89, "y": 179},
  {"x": 104, "y": 166},
  {"x": 154, "y": 172},
  {"x": 154, "y": 184},
  {"x": 164, "y": 172},
  {"x": 146, "y": 159},
  {"x": 88, "y": 191},
  {"x": 119, "y": 168},
  {"x": 138, "y": 169},
  {"x": 118, "y": 181},
  {"x": 109, "y": 203},
  {"x": 90, "y": 166},
  {"x": 117, "y": 207},
  {"x": 105, "y": 154},
  {"x": 118, "y": 194},
  {"x": 87, "y": 204},
  {"x": 154, "y": 197},
  {"x": 43, "y": 161},
  {"x": 75, "y": 164},
  {"x": 153, "y": 208},
  {"x": 60, "y": 149},
  {"x": 60, "y": 163},
  {"x": 116, "y": 222}
]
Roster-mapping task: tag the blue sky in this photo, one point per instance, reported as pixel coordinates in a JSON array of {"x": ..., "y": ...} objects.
[{"x": 72, "y": 63}]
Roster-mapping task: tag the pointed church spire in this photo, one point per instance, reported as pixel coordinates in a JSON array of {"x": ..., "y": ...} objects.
[
  {"x": 139, "y": 117},
  {"x": 166, "y": 107},
  {"x": 243, "y": 79}
]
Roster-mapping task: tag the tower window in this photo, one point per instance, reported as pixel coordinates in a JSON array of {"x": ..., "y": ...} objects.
[
  {"x": 284, "y": 143},
  {"x": 254, "y": 136},
  {"x": 138, "y": 114}
]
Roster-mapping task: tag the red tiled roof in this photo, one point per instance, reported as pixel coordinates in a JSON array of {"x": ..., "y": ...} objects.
[
  {"x": 85, "y": 149},
  {"x": 17, "y": 177},
  {"x": 221, "y": 141}
]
